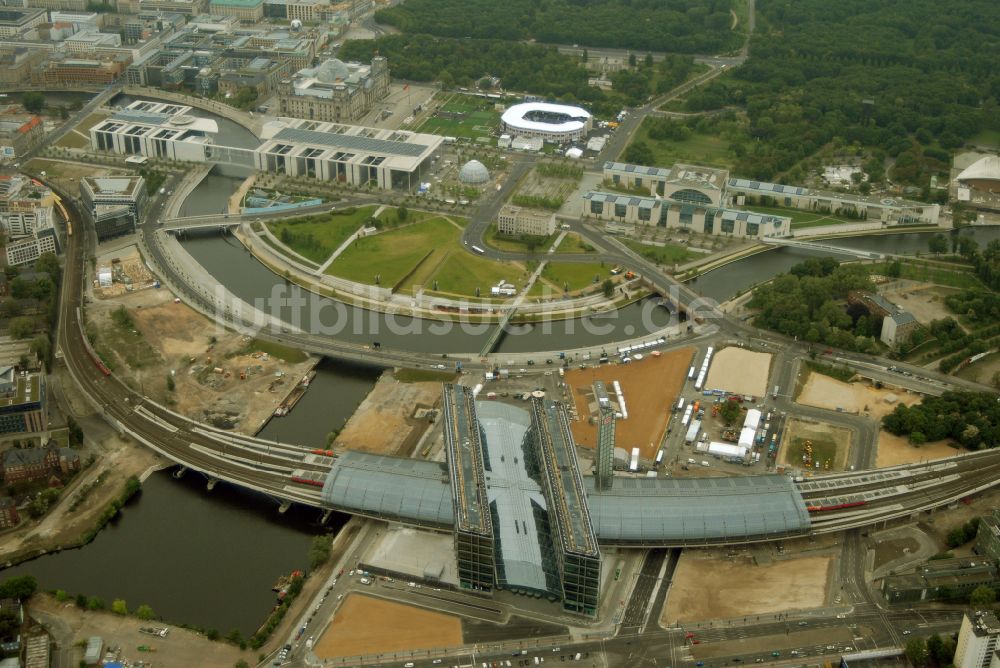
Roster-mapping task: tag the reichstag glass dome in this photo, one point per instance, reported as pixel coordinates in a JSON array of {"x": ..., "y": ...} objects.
[{"x": 473, "y": 172}]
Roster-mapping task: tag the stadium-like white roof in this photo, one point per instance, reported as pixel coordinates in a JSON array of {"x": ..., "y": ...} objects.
[
  {"x": 984, "y": 168},
  {"x": 575, "y": 117}
]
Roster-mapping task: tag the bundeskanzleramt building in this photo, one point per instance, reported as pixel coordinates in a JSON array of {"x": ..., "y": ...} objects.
[
  {"x": 517, "y": 221},
  {"x": 116, "y": 203},
  {"x": 682, "y": 183},
  {"x": 335, "y": 91}
]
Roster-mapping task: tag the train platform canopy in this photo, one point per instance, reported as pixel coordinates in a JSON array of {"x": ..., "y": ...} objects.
[
  {"x": 393, "y": 488},
  {"x": 668, "y": 511}
]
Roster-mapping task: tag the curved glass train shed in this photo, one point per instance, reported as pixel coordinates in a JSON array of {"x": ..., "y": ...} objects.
[
  {"x": 635, "y": 511},
  {"x": 692, "y": 511},
  {"x": 391, "y": 488}
]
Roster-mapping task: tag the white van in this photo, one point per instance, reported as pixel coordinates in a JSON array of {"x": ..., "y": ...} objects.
[
  {"x": 691, "y": 461},
  {"x": 705, "y": 463}
]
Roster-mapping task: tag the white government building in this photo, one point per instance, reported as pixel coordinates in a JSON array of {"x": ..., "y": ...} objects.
[{"x": 351, "y": 154}]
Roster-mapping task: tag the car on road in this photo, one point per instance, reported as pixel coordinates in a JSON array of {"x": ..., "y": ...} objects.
[
  {"x": 907, "y": 632},
  {"x": 803, "y": 623}
]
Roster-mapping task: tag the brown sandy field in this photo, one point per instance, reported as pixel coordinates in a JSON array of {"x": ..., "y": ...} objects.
[
  {"x": 170, "y": 337},
  {"x": 893, "y": 450},
  {"x": 384, "y": 421},
  {"x": 650, "y": 385},
  {"x": 741, "y": 588},
  {"x": 826, "y": 392},
  {"x": 824, "y": 436},
  {"x": 367, "y": 625},
  {"x": 180, "y": 649},
  {"x": 739, "y": 371}
]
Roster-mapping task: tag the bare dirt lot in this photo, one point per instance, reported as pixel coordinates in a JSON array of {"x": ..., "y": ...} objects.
[
  {"x": 650, "y": 387},
  {"x": 739, "y": 371},
  {"x": 923, "y": 300},
  {"x": 830, "y": 445},
  {"x": 367, "y": 625},
  {"x": 749, "y": 589},
  {"x": 160, "y": 339},
  {"x": 893, "y": 450},
  {"x": 384, "y": 423},
  {"x": 826, "y": 392},
  {"x": 180, "y": 649}
]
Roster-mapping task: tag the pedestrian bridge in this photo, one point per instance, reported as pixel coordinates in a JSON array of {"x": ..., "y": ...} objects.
[{"x": 813, "y": 245}]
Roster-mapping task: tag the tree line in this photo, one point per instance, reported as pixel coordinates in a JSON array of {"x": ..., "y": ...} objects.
[
  {"x": 913, "y": 81},
  {"x": 532, "y": 68},
  {"x": 806, "y": 303},
  {"x": 969, "y": 418},
  {"x": 679, "y": 26}
]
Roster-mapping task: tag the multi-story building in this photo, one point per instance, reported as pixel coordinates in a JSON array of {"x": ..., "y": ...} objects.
[
  {"x": 19, "y": 194},
  {"x": 335, "y": 91},
  {"x": 115, "y": 203},
  {"x": 22, "y": 403},
  {"x": 27, "y": 250},
  {"x": 941, "y": 580},
  {"x": 517, "y": 221},
  {"x": 79, "y": 20},
  {"x": 25, "y": 465},
  {"x": 25, "y": 223},
  {"x": 259, "y": 74},
  {"x": 682, "y": 183},
  {"x": 872, "y": 208},
  {"x": 16, "y": 64},
  {"x": 18, "y": 20},
  {"x": 988, "y": 536},
  {"x": 248, "y": 11},
  {"x": 977, "y": 639},
  {"x": 550, "y": 548},
  {"x": 58, "y": 71},
  {"x": 18, "y": 134},
  {"x": 91, "y": 41},
  {"x": 8, "y": 513},
  {"x": 185, "y": 7},
  {"x": 627, "y": 213}
]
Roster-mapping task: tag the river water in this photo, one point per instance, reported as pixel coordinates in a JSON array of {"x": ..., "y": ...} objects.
[
  {"x": 206, "y": 559},
  {"x": 209, "y": 559}
]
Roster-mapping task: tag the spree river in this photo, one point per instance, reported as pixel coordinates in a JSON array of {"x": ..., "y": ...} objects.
[{"x": 209, "y": 559}]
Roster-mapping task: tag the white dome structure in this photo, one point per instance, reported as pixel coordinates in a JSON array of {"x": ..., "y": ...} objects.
[
  {"x": 983, "y": 173},
  {"x": 473, "y": 172}
]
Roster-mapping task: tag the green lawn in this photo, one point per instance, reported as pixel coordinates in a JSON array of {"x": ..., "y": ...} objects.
[
  {"x": 479, "y": 119},
  {"x": 575, "y": 275},
  {"x": 392, "y": 254},
  {"x": 919, "y": 271},
  {"x": 698, "y": 149},
  {"x": 669, "y": 254},
  {"x": 316, "y": 237},
  {"x": 574, "y": 243},
  {"x": 424, "y": 253},
  {"x": 986, "y": 138},
  {"x": 462, "y": 272}
]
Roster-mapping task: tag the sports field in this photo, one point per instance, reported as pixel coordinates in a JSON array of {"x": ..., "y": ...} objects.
[{"x": 462, "y": 116}]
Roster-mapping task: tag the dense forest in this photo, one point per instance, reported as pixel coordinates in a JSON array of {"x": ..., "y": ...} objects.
[
  {"x": 531, "y": 68},
  {"x": 970, "y": 418},
  {"x": 807, "y": 303},
  {"x": 912, "y": 80},
  {"x": 677, "y": 26}
]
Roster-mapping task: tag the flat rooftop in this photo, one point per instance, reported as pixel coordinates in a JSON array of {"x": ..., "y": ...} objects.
[
  {"x": 466, "y": 469},
  {"x": 567, "y": 496}
]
